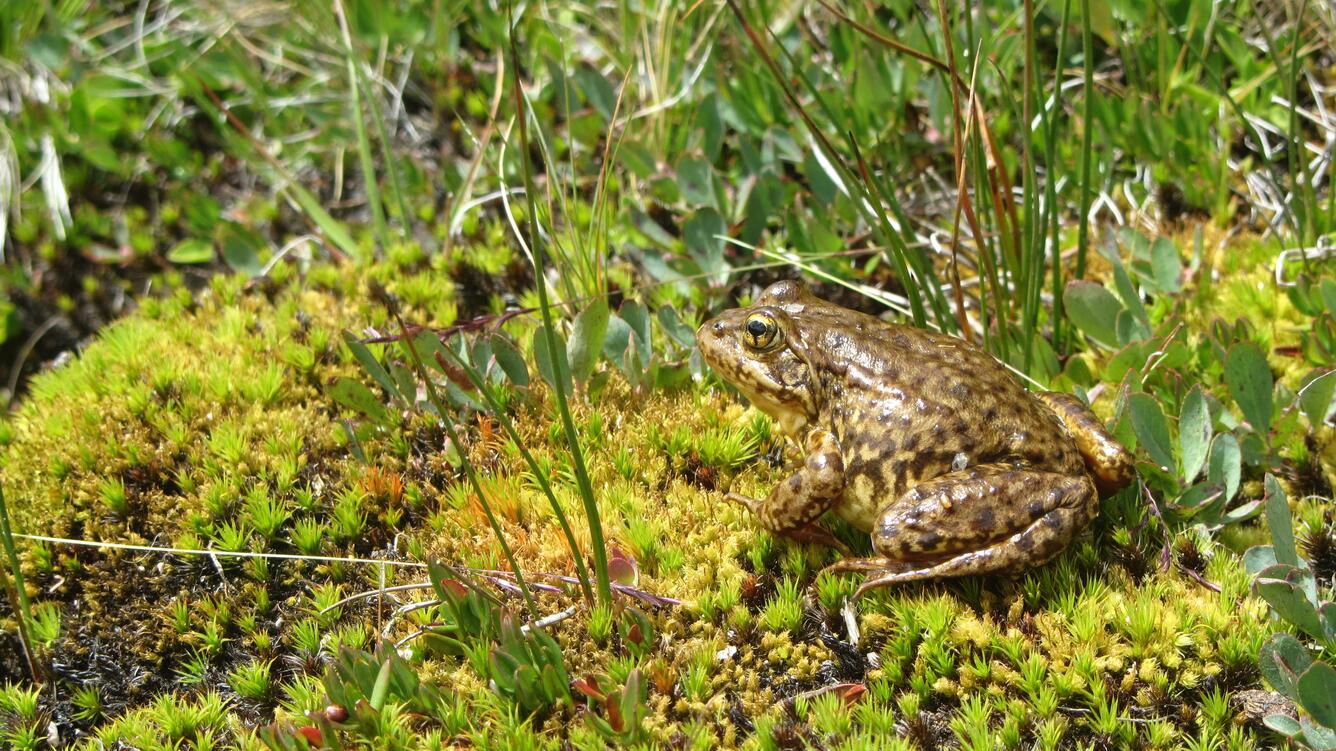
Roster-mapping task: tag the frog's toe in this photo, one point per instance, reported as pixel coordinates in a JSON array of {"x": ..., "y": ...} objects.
[
  {"x": 877, "y": 564},
  {"x": 746, "y": 501},
  {"x": 816, "y": 534}
]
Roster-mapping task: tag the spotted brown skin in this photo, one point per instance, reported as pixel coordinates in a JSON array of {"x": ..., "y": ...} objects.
[{"x": 918, "y": 438}]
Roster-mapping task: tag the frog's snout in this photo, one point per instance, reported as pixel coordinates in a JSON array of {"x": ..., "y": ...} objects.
[{"x": 709, "y": 333}]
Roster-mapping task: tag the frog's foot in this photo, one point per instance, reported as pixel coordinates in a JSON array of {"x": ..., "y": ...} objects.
[{"x": 809, "y": 532}]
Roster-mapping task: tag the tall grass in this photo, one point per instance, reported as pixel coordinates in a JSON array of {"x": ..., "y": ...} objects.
[
  {"x": 18, "y": 593},
  {"x": 538, "y": 252}
]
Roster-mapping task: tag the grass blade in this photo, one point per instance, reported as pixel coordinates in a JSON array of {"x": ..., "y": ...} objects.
[{"x": 538, "y": 248}]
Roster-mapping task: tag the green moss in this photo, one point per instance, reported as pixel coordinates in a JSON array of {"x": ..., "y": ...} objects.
[{"x": 208, "y": 426}]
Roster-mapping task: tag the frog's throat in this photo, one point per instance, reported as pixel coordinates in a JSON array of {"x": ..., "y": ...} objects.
[{"x": 791, "y": 418}]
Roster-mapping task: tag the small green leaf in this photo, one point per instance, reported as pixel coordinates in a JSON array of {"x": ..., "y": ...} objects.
[
  {"x": 1318, "y": 737},
  {"x": 637, "y": 317},
  {"x": 1127, "y": 292},
  {"x": 695, "y": 179},
  {"x": 1226, "y": 464},
  {"x": 710, "y": 122},
  {"x": 1327, "y": 288},
  {"x": 358, "y": 398},
  {"x": 673, "y": 326},
  {"x": 591, "y": 325},
  {"x": 1249, "y": 379},
  {"x": 1194, "y": 433},
  {"x": 543, "y": 359},
  {"x": 615, "y": 341},
  {"x": 509, "y": 358},
  {"x": 1282, "y": 660},
  {"x": 192, "y": 250},
  {"x": 597, "y": 91},
  {"x": 1317, "y": 693},
  {"x": 1283, "y": 724},
  {"x": 703, "y": 234},
  {"x": 1291, "y": 592},
  {"x": 1316, "y": 396},
  {"x": 1152, "y": 429},
  {"x": 372, "y": 366},
  {"x": 637, "y": 158},
  {"x": 1094, "y": 310},
  {"x": 241, "y": 250},
  {"x": 1278, "y": 519},
  {"x": 1165, "y": 264}
]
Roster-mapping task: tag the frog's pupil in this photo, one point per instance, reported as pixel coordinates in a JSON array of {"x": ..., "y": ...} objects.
[{"x": 756, "y": 328}]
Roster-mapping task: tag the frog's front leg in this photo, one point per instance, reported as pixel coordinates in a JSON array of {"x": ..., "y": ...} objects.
[
  {"x": 798, "y": 501},
  {"x": 981, "y": 520}
]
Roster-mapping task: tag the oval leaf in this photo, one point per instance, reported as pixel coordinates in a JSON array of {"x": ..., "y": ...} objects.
[
  {"x": 1282, "y": 660},
  {"x": 1194, "y": 434},
  {"x": 1165, "y": 264},
  {"x": 587, "y": 339},
  {"x": 358, "y": 398},
  {"x": 1250, "y": 383},
  {"x": 1317, "y": 693},
  {"x": 1226, "y": 464},
  {"x": 1316, "y": 397},
  {"x": 542, "y": 359},
  {"x": 1152, "y": 429},
  {"x": 1094, "y": 310},
  {"x": 509, "y": 358},
  {"x": 1283, "y": 724},
  {"x": 193, "y": 250},
  {"x": 1278, "y": 519}
]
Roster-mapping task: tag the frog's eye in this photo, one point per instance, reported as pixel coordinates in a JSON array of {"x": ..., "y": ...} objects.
[{"x": 761, "y": 332}]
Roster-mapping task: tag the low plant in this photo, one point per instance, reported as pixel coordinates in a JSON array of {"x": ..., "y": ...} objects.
[
  {"x": 616, "y": 713},
  {"x": 1297, "y": 665},
  {"x": 527, "y": 667}
]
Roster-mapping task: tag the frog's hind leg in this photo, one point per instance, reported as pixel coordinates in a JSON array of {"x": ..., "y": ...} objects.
[
  {"x": 1109, "y": 463},
  {"x": 982, "y": 520}
]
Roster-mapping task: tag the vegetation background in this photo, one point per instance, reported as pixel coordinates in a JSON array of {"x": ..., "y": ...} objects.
[{"x": 298, "y": 298}]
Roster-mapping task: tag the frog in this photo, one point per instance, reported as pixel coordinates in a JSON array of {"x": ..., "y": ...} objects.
[{"x": 920, "y": 439}]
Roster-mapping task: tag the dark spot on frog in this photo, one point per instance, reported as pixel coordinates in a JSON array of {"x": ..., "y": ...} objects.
[
  {"x": 1024, "y": 542},
  {"x": 911, "y": 443},
  {"x": 990, "y": 414},
  {"x": 1034, "y": 509},
  {"x": 984, "y": 519},
  {"x": 929, "y": 541}
]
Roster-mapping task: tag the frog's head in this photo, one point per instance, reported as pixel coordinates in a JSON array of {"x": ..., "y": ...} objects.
[{"x": 760, "y": 351}]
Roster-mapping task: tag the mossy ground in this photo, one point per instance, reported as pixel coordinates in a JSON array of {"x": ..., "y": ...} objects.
[{"x": 203, "y": 422}]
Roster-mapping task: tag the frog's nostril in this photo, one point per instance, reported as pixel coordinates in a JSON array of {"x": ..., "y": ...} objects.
[{"x": 718, "y": 328}]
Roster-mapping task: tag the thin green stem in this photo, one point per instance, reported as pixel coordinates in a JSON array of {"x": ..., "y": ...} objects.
[
  {"x": 1051, "y": 188},
  {"x": 18, "y": 592},
  {"x": 1031, "y": 253},
  {"x": 1087, "y": 138},
  {"x": 363, "y": 139},
  {"x": 550, "y": 339}
]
